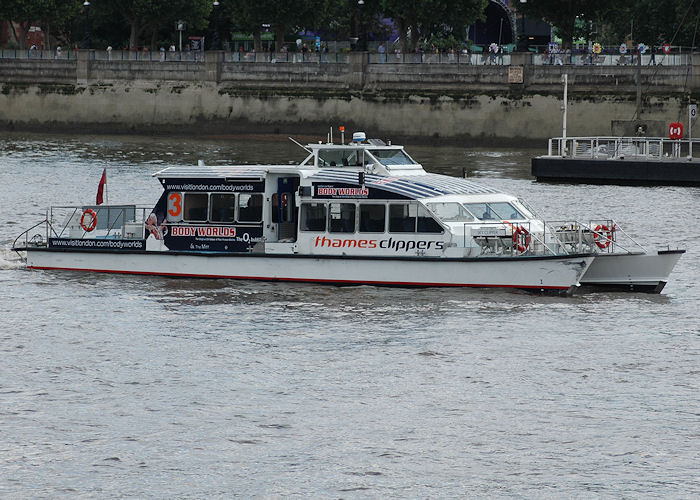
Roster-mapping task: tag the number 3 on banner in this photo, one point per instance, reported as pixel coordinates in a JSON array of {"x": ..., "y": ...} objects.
[{"x": 175, "y": 206}]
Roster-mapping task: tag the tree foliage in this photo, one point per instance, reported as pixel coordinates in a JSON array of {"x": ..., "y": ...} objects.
[
  {"x": 424, "y": 19},
  {"x": 653, "y": 22},
  {"x": 563, "y": 14},
  {"x": 137, "y": 23},
  {"x": 46, "y": 13}
]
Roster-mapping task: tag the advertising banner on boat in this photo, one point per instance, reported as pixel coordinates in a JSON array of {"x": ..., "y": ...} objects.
[
  {"x": 213, "y": 185},
  {"x": 97, "y": 244},
  {"x": 334, "y": 191},
  {"x": 212, "y": 238}
]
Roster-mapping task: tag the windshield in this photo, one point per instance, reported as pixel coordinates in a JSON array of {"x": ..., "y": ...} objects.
[
  {"x": 392, "y": 157},
  {"x": 450, "y": 212},
  {"x": 494, "y": 211},
  {"x": 338, "y": 157}
]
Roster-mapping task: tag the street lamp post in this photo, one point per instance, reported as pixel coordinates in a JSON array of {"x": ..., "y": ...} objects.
[
  {"x": 215, "y": 43},
  {"x": 180, "y": 27},
  {"x": 86, "y": 4},
  {"x": 361, "y": 36},
  {"x": 522, "y": 44}
]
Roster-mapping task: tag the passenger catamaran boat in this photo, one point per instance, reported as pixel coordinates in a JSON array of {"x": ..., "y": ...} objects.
[{"x": 361, "y": 213}]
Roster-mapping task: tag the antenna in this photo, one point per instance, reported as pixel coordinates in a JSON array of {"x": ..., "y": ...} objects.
[{"x": 300, "y": 145}]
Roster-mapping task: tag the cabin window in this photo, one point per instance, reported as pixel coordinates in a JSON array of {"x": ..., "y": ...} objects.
[
  {"x": 250, "y": 207},
  {"x": 494, "y": 211},
  {"x": 340, "y": 157},
  {"x": 392, "y": 157},
  {"x": 223, "y": 207},
  {"x": 426, "y": 223},
  {"x": 402, "y": 218},
  {"x": 507, "y": 211},
  {"x": 372, "y": 218},
  {"x": 195, "y": 206},
  {"x": 313, "y": 217},
  {"x": 450, "y": 212},
  {"x": 341, "y": 217}
]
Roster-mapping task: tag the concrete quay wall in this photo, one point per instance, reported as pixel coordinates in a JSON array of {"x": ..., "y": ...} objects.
[{"x": 460, "y": 103}]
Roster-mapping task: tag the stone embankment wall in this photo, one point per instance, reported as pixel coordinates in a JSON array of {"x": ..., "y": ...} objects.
[{"x": 457, "y": 102}]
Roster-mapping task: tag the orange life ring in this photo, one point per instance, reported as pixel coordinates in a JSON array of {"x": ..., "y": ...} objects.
[
  {"x": 521, "y": 239},
  {"x": 603, "y": 231},
  {"x": 93, "y": 220}
]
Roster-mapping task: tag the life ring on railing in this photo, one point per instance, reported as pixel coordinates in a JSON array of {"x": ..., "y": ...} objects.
[
  {"x": 93, "y": 220},
  {"x": 521, "y": 239},
  {"x": 605, "y": 233}
]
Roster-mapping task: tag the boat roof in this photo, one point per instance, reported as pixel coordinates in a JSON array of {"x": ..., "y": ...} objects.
[
  {"x": 414, "y": 186},
  {"x": 426, "y": 185},
  {"x": 409, "y": 179},
  {"x": 220, "y": 171}
]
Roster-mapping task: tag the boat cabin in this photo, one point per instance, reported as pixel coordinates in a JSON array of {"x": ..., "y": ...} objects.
[{"x": 366, "y": 197}]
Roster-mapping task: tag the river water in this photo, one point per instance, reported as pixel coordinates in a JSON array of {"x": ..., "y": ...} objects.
[{"x": 118, "y": 386}]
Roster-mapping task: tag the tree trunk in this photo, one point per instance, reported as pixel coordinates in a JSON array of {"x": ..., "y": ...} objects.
[
  {"x": 403, "y": 37},
  {"x": 46, "y": 29},
  {"x": 21, "y": 37},
  {"x": 257, "y": 42},
  {"x": 133, "y": 34},
  {"x": 279, "y": 37},
  {"x": 414, "y": 36},
  {"x": 14, "y": 31}
]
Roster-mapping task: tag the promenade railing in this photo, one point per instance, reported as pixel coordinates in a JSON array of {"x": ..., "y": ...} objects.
[
  {"x": 585, "y": 59},
  {"x": 675, "y": 58}
]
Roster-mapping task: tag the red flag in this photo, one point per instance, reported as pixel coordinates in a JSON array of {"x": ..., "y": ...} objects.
[{"x": 101, "y": 188}]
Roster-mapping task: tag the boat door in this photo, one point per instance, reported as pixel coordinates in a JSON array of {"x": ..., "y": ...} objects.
[{"x": 284, "y": 210}]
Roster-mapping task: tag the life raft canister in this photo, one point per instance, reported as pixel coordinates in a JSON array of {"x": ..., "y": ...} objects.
[
  {"x": 93, "y": 220},
  {"x": 521, "y": 239},
  {"x": 602, "y": 235}
]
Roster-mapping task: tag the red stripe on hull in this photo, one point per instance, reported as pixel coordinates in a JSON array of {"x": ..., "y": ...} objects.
[{"x": 301, "y": 280}]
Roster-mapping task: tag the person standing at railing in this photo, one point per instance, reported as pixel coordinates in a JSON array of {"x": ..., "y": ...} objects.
[
  {"x": 382, "y": 51},
  {"x": 652, "y": 50},
  {"x": 493, "y": 49},
  {"x": 58, "y": 52}
]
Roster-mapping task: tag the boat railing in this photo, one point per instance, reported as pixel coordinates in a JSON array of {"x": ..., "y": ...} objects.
[
  {"x": 112, "y": 221},
  {"x": 556, "y": 237},
  {"x": 642, "y": 148},
  {"x": 508, "y": 238},
  {"x": 600, "y": 236},
  {"x": 37, "y": 240}
]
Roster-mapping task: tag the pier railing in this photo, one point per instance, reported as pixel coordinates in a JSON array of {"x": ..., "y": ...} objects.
[{"x": 647, "y": 148}]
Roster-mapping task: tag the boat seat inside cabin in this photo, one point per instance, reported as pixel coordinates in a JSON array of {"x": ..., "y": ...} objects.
[{"x": 197, "y": 213}]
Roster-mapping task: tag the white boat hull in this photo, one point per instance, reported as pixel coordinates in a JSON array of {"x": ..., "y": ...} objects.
[
  {"x": 547, "y": 274},
  {"x": 632, "y": 272}
]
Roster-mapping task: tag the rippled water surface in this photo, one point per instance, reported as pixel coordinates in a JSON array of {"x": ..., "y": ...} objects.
[{"x": 114, "y": 386}]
